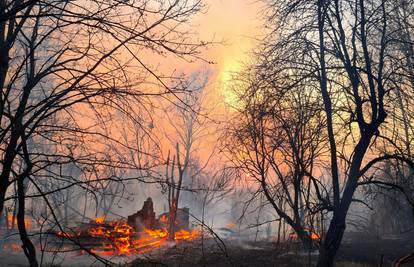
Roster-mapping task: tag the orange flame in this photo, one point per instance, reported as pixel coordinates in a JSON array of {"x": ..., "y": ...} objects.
[
  {"x": 119, "y": 238},
  {"x": 313, "y": 236},
  {"x": 100, "y": 220},
  {"x": 185, "y": 235},
  {"x": 11, "y": 220}
]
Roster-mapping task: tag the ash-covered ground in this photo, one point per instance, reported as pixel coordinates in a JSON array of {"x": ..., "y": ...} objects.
[{"x": 357, "y": 250}]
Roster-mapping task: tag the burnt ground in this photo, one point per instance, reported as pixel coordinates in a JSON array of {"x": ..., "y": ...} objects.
[
  {"x": 236, "y": 254},
  {"x": 357, "y": 250},
  {"x": 374, "y": 250}
]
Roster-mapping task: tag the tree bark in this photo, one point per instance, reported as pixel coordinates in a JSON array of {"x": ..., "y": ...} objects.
[
  {"x": 28, "y": 247},
  {"x": 332, "y": 241}
]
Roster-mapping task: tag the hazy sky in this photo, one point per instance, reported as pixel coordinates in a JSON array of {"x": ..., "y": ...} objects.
[
  {"x": 234, "y": 24},
  {"x": 237, "y": 24}
]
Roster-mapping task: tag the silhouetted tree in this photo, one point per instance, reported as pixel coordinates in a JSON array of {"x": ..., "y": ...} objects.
[
  {"x": 349, "y": 51},
  {"x": 68, "y": 68},
  {"x": 276, "y": 139}
]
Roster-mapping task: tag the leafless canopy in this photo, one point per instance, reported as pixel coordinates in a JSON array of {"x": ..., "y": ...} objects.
[
  {"x": 67, "y": 70},
  {"x": 351, "y": 59}
]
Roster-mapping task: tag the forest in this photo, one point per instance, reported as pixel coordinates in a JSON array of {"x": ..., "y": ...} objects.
[{"x": 207, "y": 133}]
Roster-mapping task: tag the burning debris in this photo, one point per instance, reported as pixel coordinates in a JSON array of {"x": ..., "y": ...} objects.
[
  {"x": 314, "y": 236},
  {"x": 12, "y": 221},
  {"x": 141, "y": 232}
]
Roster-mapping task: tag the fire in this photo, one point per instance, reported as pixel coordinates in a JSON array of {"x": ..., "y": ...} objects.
[
  {"x": 119, "y": 238},
  {"x": 313, "y": 236},
  {"x": 67, "y": 235},
  {"x": 185, "y": 235},
  {"x": 100, "y": 220},
  {"x": 157, "y": 232},
  {"x": 13, "y": 221},
  {"x": 12, "y": 224},
  {"x": 12, "y": 247}
]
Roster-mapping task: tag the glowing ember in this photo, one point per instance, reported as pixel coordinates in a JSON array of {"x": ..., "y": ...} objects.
[
  {"x": 184, "y": 235},
  {"x": 119, "y": 238},
  {"x": 67, "y": 235},
  {"x": 12, "y": 247},
  {"x": 157, "y": 232}
]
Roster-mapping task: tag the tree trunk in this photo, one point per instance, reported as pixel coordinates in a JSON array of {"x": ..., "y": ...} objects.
[
  {"x": 28, "y": 248},
  {"x": 2, "y": 197},
  {"x": 278, "y": 231},
  {"x": 304, "y": 237},
  {"x": 172, "y": 217},
  {"x": 332, "y": 241},
  {"x": 338, "y": 223}
]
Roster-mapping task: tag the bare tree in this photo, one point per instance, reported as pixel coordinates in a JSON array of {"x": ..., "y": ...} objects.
[
  {"x": 188, "y": 124},
  {"x": 349, "y": 51},
  {"x": 63, "y": 60},
  {"x": 211, "y": 188},
  {"x": 276, "y": 139}
]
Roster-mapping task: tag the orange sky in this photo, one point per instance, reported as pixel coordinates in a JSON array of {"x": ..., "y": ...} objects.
[{"x": 235, "y": 24}]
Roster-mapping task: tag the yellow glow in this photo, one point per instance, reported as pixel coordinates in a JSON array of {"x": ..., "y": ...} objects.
[
  {"x": 226, "y": 81},
  {"x": 237, "y": 27},
  {"x": 232, "y": 64}
]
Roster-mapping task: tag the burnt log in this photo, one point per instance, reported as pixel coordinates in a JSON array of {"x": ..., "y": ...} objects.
[{"x": 144, "y": 218}]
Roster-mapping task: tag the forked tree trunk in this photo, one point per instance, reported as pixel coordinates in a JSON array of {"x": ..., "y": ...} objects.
[{"x": 337, "y": 225}]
